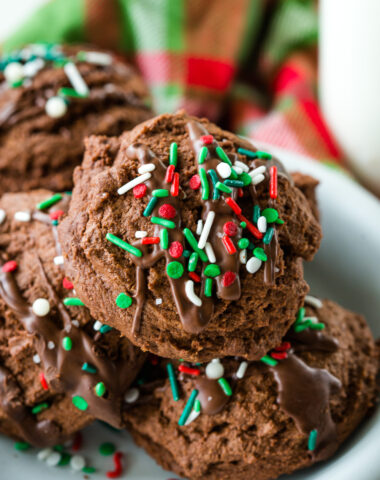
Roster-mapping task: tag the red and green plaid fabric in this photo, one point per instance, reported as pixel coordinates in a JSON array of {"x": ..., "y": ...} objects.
[{"x": 248, "y": 64}]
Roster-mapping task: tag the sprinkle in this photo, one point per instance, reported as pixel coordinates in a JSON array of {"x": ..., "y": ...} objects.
[
  {"x": 268, "y": 236},
  {"x": 262, "y": 224},
  {"x": 233, "y": 205},
  {"x": 53, "y": 459},
  {"x": 67, "y": 343},
  {"x": 313, "y": 301},
  {"x": 194, "y": 276},
  {"x": 73, "y": 302},
  {"x": 158, "y": 301},
  {"x": 256, "y": 214},
  {"x": 242, "y": 370},
  {"x": 147, "y": 167},
  {"x": 39, "y": 408},
  {"x": 174, "y": 189},
  {"x": 195, "y": 182},
  {"x": 208, "y": 287},
  {"x": 214, "y": 369},
  {"x": 243, "y": 256},
  {"x": 225, "y": 386},
  {"x": 51, "y": 345},
  {"x": 230, "y": 229},
  {"x": 174, "y": 270},
  {"x": 312, "y": 442},
  {"x": 43, "y": 381},
  {"x": 190, "y": 371},
  {"x": 173, "y": 155},
  {"x": 263, "y": 155},
  {"x": 241, "y": 165},
  {"x": 169, "y": 174},
  {"x": 173, "y": 381},
  {"x": 204, "y": 183},
  {"x": 13, "y": 72},
  {"x": 89, "y": 470},
  {"x": 160, "y": 193},
  {"x": 22, "y": 216},
  {"x": 66, "y": 92},
  {"x": 189, "y": 289},
  {"x": 97, "y": 58},
  {"x": 279, "y": 355},
  {"x": 150, "y": 207},
  {"x": 79, "y": 402},
  {"x": 222, "y": 155},
  {"x": 283, "y": 347},
  {"x": 77, "y": 463},
  {"x": 176, "y": 249},
  {"x": 259, "y": 253},
  {"x": 273, "y": 182},
  {"x": 212, "y": 271},
  {"x": 194, "y": 244},
  {"x": 118, "y": 470},
  {"x": 9, "y": 267},
  {"x": 44, "y": 454},
  {"x": 21, "y": 446},
  {"x": 234, "y": 183},
  {"x": 123, "y": 300},
  {"x": 59, "y": 260},
  {"x": 76, "y": 79},
  {"x": 224, "y": 170},
  {"x": 253, "y": 265},
  {"x": 139, "y": 190},
  {"x": 163, "y": 222},
  {"x": 270, "y": 214},
  {"x": 167, "y": 211},
  {"x": 243, "y": 243},
  {"x": 87, "y": 367},
  {"x": 300, "y": 315},
  {"x": 107, "y": 448},
  {"x": 228, "y": 278},
  {"x": 257, "y": 179},
  {"x": 193, "y": 416},
  {"x": 222, "y": 187},
  {"x": 198, "y": 231},
  {"x": 97, "y": 326},
  {"x": 41, "y": 307},
  {"x": 247, "y": 153},
  {"x": 269, "y": 361},
  {"x": 136, "y": 181},
  {"x": 124, "y": 245},
  {"x": 257, "y": 171},
  {"x": 214, "y": 180},
  {"x": 3, "y": 216},
  {"x": 49, "y": 202},
  {"x": 131, "y": 395},
  {"x": 252, "y": 229},
  {"x": 36, "y": 358},
  {"x": 105, "y": 329},
  {"x": 100, "y": 389},
  {"x": 207, "y": 139},
  {"x": 188, "y": 408},
  {"x": 56, "y": 214},
  {"x": 203, "y": 152},
  {"x": 206, "y": 229},
  {"x": 228, "y": 243},
  {"x": 210, "y": 253},
  {"x": 141, "y": 234},
  {"x": 150, "y": 240},
  {"x": 164, "y": 238},
  {"x": 279, "y": 221},
  {"x": 193, "y": 260}
]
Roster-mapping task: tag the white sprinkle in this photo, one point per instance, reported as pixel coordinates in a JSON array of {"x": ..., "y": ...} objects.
[
  {"x": 59, "y": 260},
  {"x": 147, "y": 167},
  {"x": 242, "y": 165},
  {"x": 44, "y": 454},
  {"x": 3, "y": 216},
  {"x": 14, "y": 72},
  {"x": 131, "y": 395},
  {"x": 75, "y": 323},
  {"x": 214, "y": 369},
  {"x": 53, "y": 459},
  {"x": 199, "y": 229},
  {"x": 193, "y": 415},
  {"x": 51, "y": 345},
  {"x": 36, "y": 358},
  {"x": 76, "y": 79},
  {"x": 98, "y": 58},
  {"x": 313, "y": 301},
  {"x": 223, "y": 169},
  {"x": 141, "y": 234},
  {"x": 32, "y": 67},
  {"x": 55, "y": 107},
  {"x": 238, "y": 170},
  {"x": 262, "y": 224},
  {"x": 206, "y": 229},
  {"x": 41, "y": 307},
  {"x": 22, "y": 216},
  {"x": 257, "y": 179},
  {"x": 77, "y": 462},
  {"x": 241, "y": 370},
  {"x": 311, "y": 319},
  {"x": 158, "y": 301},
  {"x": 253, "y": 264},
  {"x": 97, "y": 326},
  {"x": 189, "y": 289},
  {"x": 133, "y": 183},
  {"x": 257, "y": 171},
  {"x": 210, "y": 252},
  {"x": 243, "y": 256}
]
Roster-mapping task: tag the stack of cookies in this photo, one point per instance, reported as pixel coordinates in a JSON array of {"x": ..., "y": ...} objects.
[{"x": 166, "y": 294}]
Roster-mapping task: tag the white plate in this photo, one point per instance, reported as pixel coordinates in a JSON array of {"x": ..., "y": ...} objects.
[{"x": 346, "y": 269}]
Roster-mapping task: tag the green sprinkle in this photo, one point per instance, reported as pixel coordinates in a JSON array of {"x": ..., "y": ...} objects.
[
  {"x": 65, "y": 459},
  {"x": 214, "y": 179},
  {"x": 49, "y": 202},
  {"x": 80, "y": 403},
  {"x": 251, "y": 246},
  {"x": 54, "y": 223},
  {"x": 268, "y": 236},
  {"x": 263, "y": 155},
  {"x": 188, "y": 407},
  {"x": 164, "y": 238},
  {"x": 193, "y": 261},
  {"x": 70, "y": 92},
  {"x": 124, "y": 245},
  {"x": 234, "y": 183},
  {"x": 73, "y": 302},
  {"x": 270, "y": 214},
  {"x": 212, "y": 270},
  {"x": 300, "y": 315},
  {"x": 234, "y": 175},
  {"x": 269, "y": 360},
  {"x": 223, "y": 156},
  {"x": 39, "y": 408},
  {"x": 243, "y": 224},
  {"x": 317, "y": 326},
  {"x": 204, "y": 183},
  {"x": 258, "y": 252},
  {"x": 160, "y": 193},
  {"x": 225, "y": 386},
  {"x": 300, "y": 327},
  {"x": 197, "y": 406},
  {"x": 243, "y": 243},
  {"x": 208, "y": 287},
  {"x": 256, "y": 213},
  {"x": 88, "y": 469},
  {"x": 87, "y": 367},
  {"x": 105, "y": 329},
  {"x": 17, "y": 84},
  {"x": 163, "y": 222},
  {"x": 194, "y": 244},
  {"x": 67, "y": 343},
  {"x": 223, "y": 188},
  {"x": 58, "y": 448},
  {"x": 100, "y": 389},
  {"x": 245, "y": 178},
  {"x": 247, "y": 153},
  {"x": 174, "y": 270},
  {"x": 173, "y": 381},
  {"x": 123, "y": 300},
  {"x": 150, "y": 207},
  {"x": 21, "y": 446},
  {"x": 173, "y": 154},
  {"x": 186, "y": 253},
  {"x": 203, "y": 152},
  {"x": 279, "y": 221},
  {"x": 107, "y": 448},
  {"x": 312, "y": 442}
]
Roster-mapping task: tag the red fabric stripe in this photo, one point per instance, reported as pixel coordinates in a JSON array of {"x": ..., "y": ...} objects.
[{"x": 208, "y": 73}]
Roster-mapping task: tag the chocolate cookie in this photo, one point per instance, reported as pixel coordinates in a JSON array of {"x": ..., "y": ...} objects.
[
  {"x": 233, "y": 419},
  {"x": 52, "y": 353},
  {"x": 51, "y": 98},
  {"x": 205, "y": 232}
]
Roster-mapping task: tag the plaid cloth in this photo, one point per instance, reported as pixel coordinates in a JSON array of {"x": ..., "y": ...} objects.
[{"x": 247, "y": 64}]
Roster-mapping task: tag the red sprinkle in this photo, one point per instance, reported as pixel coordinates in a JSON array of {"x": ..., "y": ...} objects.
[
  {"x": 118, "y": 467},
  {"x": 67, "y": 284},
  {"x": 232, "y": 204},
  {"x": 273, "y": 182},
  {"x": 150, "y": 240},
  {"x": 56, "y": 214},
  {"x": 230, "y": 229},
  {"x": 139, "y": 191},
  {"x": 279, "y": 355},
  {"x": 169, "y": 174},
  {"x": 207, "y": 139},
  {"x": 255, "y": 232},
  {"x": 174, "y": 189},
  {"x": 240, "y": 192},
  {"x": 167, "y": 211},
  {"x": 283, "y": 347},
  {"x": 9, "y": 266},
  {"x": 195, "y": 182},
  {"x": 230, "y": 247},
  {"x": 228, "y": 278},
  {"x": 194, "y": 276},
  {"x": 189, "y": 370},
  {"x": 77, "y": 442},
  {"x": 176, "y": 249},
  {"x": 43, "y": 381}
]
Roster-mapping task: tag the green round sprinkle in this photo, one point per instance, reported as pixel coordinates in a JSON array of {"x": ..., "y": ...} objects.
[
  {"x": 107, "y": 448},
  {"x": 258, "y": 252},
  {"x": 100, "y": 389},
  {"x": 174, "y": 269},
  {"x": 208, "y": 287},
  {"x": 243, "y": 224},
  {"x": 80, "y": 403},
  {"x": 124, "y": 245},
  {"x": 105, "y": 329},
  {"x": 87, "y": 367},
  {"x": 160, "y": 193},
  {"x": 225, "y": 386},
  {"x": 150, "y": 207},
  {"x": 173, "y": 154},
  {"x": 88, "y": 469},
  {"x": 246, "y": 179},
  {"x": 212, "y": 270},
  {"x": 243, "y": 243},
  {"x": 49, "y": 202},
  {"x": 270, "y": 214},
  {"x": 312, "y": 442},
  {"x": 251, "y": 246},
  {"x": 73, "y": 302},
  {"x": 39, "y": 408},
  {"x": 193, "y": 260},
  {"x": 21, "y": 446},
  {"x": 162, "y": 221},
  {"x": 203, "y": 152},
  {"x": 123, "y": 300},
  {"x": 269, "y": 360},
  {"x": 67, "y": 343},
  {"x": 65, "y": 459},
  {"x": 186, "y": 253},
  {"x": 164, "y": 238}
]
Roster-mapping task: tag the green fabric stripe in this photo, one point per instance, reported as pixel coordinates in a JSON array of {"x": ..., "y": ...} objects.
[
  {"x": 254, "y": 17},
  {"x": 167, "y": 97},
  {"x": 59, "y": 21},
  {"x": 175, "y": 15}
]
